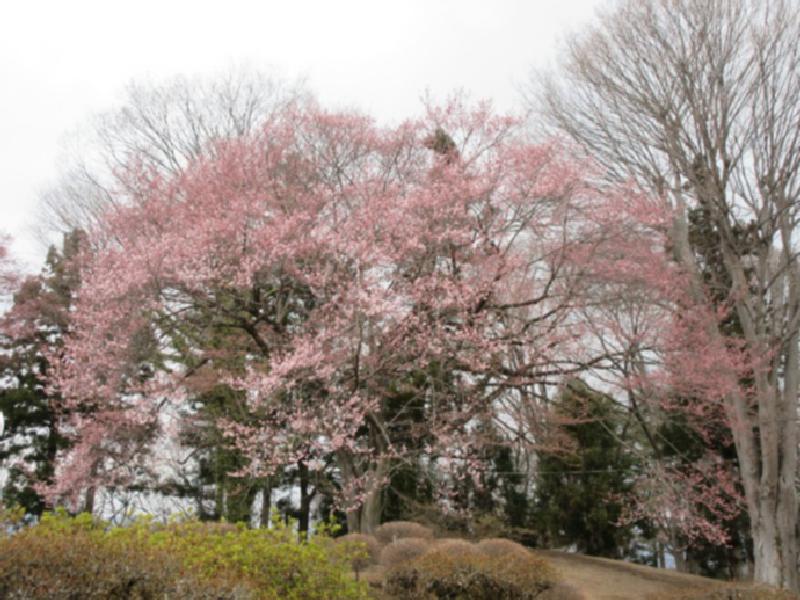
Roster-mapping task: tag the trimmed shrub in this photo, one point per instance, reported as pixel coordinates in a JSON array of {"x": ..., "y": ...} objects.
[
  {"x": 373, "y": 576},
  {"x": 271, "y": 561},
  {"x": 499, "y": 547},
  {"x": 397, "y": 530},
  {"x": 359, "y": 550},
  {"x": 470, "y": 575},
  {"x": 40, "y": 563},
  {"x": 81, "y": 558},
  {"x": 403, "y": 550}
]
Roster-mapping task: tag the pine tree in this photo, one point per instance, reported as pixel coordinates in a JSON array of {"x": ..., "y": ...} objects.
[
  {"x": 578, "y": 488},
  {"x": 32, "y": 328}
]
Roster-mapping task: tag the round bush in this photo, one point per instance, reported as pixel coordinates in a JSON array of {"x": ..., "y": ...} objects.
[
  {"x": 470, "y": 574},
  {"x": 360, "y": 550},
  {"x": 403, "y": 550},
  {"x": 397, "y": 530},
  {"x": 499, "y": 547}
]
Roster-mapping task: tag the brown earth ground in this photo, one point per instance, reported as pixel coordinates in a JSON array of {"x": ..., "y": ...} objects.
[{"x": 604, "y": 579}]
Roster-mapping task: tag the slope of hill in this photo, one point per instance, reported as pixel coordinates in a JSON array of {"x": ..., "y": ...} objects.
[{"x": 604, "y": 579}]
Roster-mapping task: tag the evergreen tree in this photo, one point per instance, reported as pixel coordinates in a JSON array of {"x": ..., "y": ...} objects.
[
  {"x": 410, "y": 490},
  {"x": 32, "y": 329},
  {"x": 218, "y": 457},
  {"x": 578, "y": 487}
]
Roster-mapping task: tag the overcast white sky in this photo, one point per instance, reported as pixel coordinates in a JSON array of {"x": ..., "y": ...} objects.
[{"x": 61, "y": 61}]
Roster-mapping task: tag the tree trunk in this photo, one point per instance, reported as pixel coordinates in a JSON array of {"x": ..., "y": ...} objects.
[
  {"x": 198, "y": 499},
  {"x": 765, "y": 432},
  {"x": 353, "y": 520},
  {"x": 364, "y": 516},
  {"x": 768, "y": 458},
  {"x": 266, "y": 504},
  {"x": 661, "y": 561},
  {"x": 768, "y": 465},
  {"x": 371, "y": 510},
  {"x": 91, "y": 492},
  {"x": 680, "y": 559},
  {"x": 88, "y": 499},
  {"x": 304, "y": 516},
  {"x": 775, "y": 545}
]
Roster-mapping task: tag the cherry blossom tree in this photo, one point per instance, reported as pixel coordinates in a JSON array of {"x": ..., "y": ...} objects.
[
  {"x": 373, "y": 297},
  {"x": 317, "y": 267},
  {"x": 668, "y": 367}
]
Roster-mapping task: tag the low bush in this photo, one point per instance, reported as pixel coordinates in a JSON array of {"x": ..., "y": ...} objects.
[
  {"x": 359, "y": 550},
  {"x": 469, "y": 575},
  {"x": 64, "y": 557},
  {"x": 403, "y": 550},
  {"x": 271, "y": 561},
  {"x": 81, "y": 562},
  {"x": 396, "y": 530}
]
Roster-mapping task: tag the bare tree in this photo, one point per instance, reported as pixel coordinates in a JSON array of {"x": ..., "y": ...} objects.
[
  {"x": 161, "y": 126},
  {"x": 699, "y": 102}
]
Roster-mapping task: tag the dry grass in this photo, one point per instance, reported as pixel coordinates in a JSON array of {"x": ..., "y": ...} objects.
[{"x": 606, "y": 579}]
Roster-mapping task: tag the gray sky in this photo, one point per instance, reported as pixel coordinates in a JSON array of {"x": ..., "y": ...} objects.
[{"x": 61, "y": 61}]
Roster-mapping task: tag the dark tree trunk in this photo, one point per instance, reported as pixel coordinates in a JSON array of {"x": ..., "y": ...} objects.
[
  {"x": 306, "y": 496},
  {"x": 266, "y": 504}
]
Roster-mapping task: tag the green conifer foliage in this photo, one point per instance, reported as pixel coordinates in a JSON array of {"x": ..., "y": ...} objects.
[
  {"x": 31, "y": 330},
  {"x": 578, "y": 487}
]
